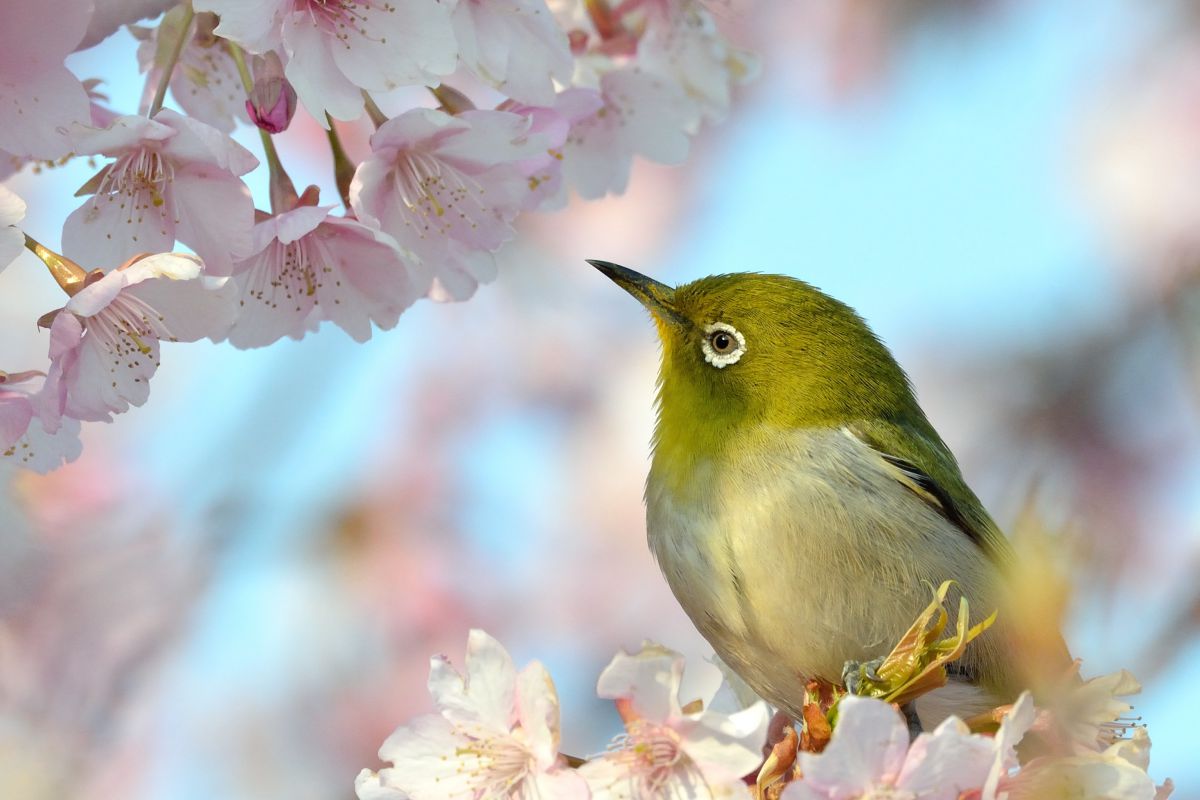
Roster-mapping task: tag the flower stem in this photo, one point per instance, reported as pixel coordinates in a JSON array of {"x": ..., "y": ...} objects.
[
  {"x": 343, "y": 167},
  {"x": 69, "y": 275},
  {"x": 377, "y": 116},
  {"x": 283, "y": 191},
  {"x": 164, "y": 80}
]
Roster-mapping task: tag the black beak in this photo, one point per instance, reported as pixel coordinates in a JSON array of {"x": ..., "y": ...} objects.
[{"x": 657, "y": 297}]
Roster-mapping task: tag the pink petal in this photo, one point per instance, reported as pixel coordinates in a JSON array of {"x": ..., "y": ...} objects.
[
  {"x": 946, "y": 763},
  {"x": 254, "y": 24},
  {"x": 111, "y": 15},
  {"x": 216, "y": 216},
  {"x": 491, "y": 679},
  {"x": 12, "y": 238},
  {"x": 649, "y": 678},
  {"x": 191, "y": 309},
  {"x": 726, "y": 747},
  {"x": 198, "y": 143},
  {"x": 41, "y": 105},
  {"x": 537, "y": 710},
  {"x": 15, "y": 413},
  {"x": 312, "y": 71},
  {"x": 36, "y": 34},
  {"x": 124, "y": 134},
  {"x": 410, "y": 42},
  {"x": 560, "y": 784},
  {"x": 41, "y": 451},
  {"x": 867, "y": 750}
]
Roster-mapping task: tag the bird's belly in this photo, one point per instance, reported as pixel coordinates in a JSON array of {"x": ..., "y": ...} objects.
[{"x": 811, "y": 560}]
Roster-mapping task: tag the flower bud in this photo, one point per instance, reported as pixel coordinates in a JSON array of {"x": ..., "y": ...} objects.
[{"x": 272, "y": 101}]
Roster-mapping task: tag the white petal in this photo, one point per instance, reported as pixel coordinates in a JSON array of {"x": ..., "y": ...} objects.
[
  {"x": 319, "y": 83},
  {"x": 537, "y": 710},
  {"x": 491, "y": 679},
  {"x": 216, "y": 216},
  {"x": 649, "y": 678},
  {"x": 726, "y": 747},
  {"x": 946, "y": 763},
  {"x": 867, "y": 749}
]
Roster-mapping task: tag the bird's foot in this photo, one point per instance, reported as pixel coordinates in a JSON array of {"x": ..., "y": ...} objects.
[
  {"x": 853, "y": 673},
  {"x": 909, "y": 710}
]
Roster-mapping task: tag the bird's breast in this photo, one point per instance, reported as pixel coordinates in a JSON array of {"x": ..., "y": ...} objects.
[{"x": 800, "y": 553}]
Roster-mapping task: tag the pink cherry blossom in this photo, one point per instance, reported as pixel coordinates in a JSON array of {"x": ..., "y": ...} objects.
[
  {"x": 205, "y": 81},
  {"x": 309, "y": 265},
  {"x": 642, "y": 114},
  {"x": 1117, "y": 773},
  {"x": 24, "y": 440},
  {"x": 544, "y": 171},
  {"x": 12, "y": 239},
  {"x": 174, "y": 178},
  {"x": 495, "y": 736},
  {"x": 870, "y": 756},
  {"x": 686, "y": 47},
  {"x": 667, "y": 752},
  {"x": 448, "y": 188},
  {"x": 515, "y": 45},
  {"x": 104, "y": 344},
  {"x": 333, "y": 51},
  {"x": 39, "y": 97}
]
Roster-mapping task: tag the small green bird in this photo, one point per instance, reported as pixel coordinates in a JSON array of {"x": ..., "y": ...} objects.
[{"x": 799, "y": 502}]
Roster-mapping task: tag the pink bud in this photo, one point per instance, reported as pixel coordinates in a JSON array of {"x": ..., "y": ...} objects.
[{"x": 272, "y": 101}]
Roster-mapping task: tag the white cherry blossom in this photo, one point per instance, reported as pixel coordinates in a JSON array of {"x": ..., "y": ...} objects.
[
  {"x": 104, "y": 343},
  {"x": 495, "y": 736},
  {"x": 334, "y": 51},
  {"x": 515, "y": 45},
  {"x": 173, "y": 178},
  {"x": 448, "y": 189},
  {"x": 668, "y": 752}
]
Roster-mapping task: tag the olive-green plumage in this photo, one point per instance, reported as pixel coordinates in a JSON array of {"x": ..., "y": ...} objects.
[{"x": 799, "y": 502}]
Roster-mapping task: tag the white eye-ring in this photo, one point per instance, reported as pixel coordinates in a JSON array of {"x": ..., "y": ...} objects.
[{"x": 722, "y": 344}]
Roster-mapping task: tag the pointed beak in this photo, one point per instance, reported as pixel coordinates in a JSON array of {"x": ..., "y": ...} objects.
[{"x": 658, "y": 298}]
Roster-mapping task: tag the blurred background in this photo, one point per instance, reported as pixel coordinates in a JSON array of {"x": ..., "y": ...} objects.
[{"x": 236, "y": 589}]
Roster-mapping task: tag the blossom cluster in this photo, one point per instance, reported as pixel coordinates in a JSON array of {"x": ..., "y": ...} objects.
[
  {"x": 527, "y": 102},
  {"x": 495, "y": 734}
]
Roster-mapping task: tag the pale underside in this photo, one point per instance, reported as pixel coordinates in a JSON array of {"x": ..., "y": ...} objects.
[{"x": 812, "y": 553}]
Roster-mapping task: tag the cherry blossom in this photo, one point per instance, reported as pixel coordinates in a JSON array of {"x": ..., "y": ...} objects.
[
  {"x": 686, "y": 47},
  {"x": 448, "y": 188},
  {"x": 39, "y": 97},
  {"x": 104, "y": 344},
  {"x": 544, "y": 170},
  {"x": 24, "y": 439},
  {"x": 642, "y": 114},
  {"x": 174, "y": 178},
  {"x": 310, "y": 265},
  {"x": 333, "y": 51},
  {"x": 495, "y": 736},
  {"x": 869, "y": 756},
  {"x": 515, "y": 45},
  {"x": 12, "y": 240},
  {"x": 667, "y": 751},
  {"x": 205, "y": 81},
  {"x": 1117, "y": 773}
]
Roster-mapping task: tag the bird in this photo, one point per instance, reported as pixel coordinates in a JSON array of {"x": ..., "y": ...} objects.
[{"x": 799, "y": 502}]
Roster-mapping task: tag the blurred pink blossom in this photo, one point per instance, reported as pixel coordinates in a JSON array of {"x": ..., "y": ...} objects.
[
  {"x": 40, "y": 96},
  {"x": 174, "y": 178},
  {"x": 448, "y": 188},
  {"x": 12, "y": 239},
  {"x": 496, "y": 735},
  {"x": 514, "y": 45},
  {"x": 24, "y": 439},
  {"x": 667, "y": 751},
  {"x": 205, "y": 81},
  {"x": 334, "y": 51},
  {"x": 642, "y": 114},
  {"x": 544, "y": 170},
  {"x": 309, "y": 265},
  {"x": 104, "y": 344},
  {"x": 110, "y": 15}
]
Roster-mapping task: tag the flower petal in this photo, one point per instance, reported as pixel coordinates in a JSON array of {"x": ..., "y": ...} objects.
[
  {"x": 649, "y": 678},
  {"x": 867, "y": 749}
]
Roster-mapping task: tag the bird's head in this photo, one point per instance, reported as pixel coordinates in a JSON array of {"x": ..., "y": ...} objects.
[{"x": 749, "y": 349}]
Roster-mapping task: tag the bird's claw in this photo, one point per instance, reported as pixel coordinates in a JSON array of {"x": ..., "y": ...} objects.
[{"x": 853, "y": 673}]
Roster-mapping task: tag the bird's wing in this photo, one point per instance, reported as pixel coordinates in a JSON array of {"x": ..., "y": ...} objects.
[{"x": 922, "y": 463}]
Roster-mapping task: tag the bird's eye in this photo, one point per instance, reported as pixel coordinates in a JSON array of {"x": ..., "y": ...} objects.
[{"x": 722, "y": 344}]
